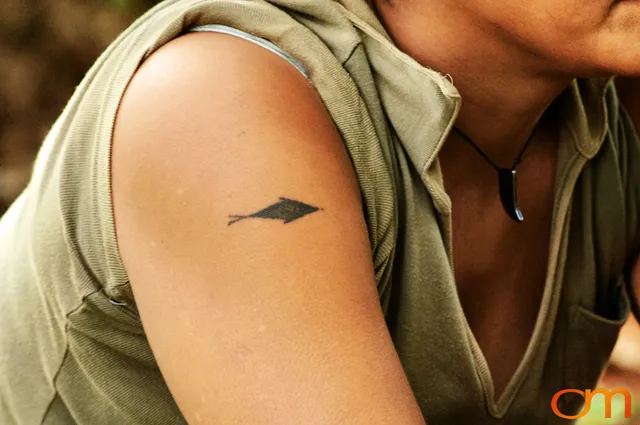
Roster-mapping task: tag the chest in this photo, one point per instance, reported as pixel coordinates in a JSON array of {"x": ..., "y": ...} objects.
[
  {"x": 466, "y": 326},
  {"x": 495, "y": 258},
  {"x": 500, "y": 266}
]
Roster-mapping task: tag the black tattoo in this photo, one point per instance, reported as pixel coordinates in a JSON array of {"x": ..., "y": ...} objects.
[{"x": 286, "y": 210}]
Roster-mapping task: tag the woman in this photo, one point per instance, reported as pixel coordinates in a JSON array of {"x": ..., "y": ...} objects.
[{"x": 311, "y": 208}]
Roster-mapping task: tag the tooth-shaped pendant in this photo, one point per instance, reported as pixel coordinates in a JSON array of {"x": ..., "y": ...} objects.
[{"x": 508, "y": 193}]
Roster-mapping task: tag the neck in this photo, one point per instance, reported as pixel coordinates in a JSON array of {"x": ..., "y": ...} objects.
[{"x": 505, "y": 89}]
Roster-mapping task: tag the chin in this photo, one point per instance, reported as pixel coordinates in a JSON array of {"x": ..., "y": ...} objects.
[
  {"x": 604, "y": 62},
  {"x": 625, "y": 63},
  {"x": 613, "y": 48},
  {"x": 605, "y": 71},
  {"x": 620, "y": 38}
]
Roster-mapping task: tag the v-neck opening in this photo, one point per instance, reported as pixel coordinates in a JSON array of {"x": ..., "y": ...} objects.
[{"x": 547, "y": 309}]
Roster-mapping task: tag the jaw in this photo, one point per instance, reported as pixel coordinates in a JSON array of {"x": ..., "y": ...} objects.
[
  {"x": 609, "y": 46},
  {"x": 617, "y": 44}
]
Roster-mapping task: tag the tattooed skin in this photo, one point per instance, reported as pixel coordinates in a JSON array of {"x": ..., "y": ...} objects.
[{"x": 286, "y": 210}]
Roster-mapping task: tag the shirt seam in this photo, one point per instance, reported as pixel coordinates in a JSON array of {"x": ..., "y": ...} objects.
[
  {"x": 351, "y": 53},
  {"x": 64, "y": 356}
]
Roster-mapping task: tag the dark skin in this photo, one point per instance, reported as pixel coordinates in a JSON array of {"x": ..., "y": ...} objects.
[
  {"x": 493, "y": 267},
  {"x": 322, "y": 353},
  {"x": 507, "y": 69}
]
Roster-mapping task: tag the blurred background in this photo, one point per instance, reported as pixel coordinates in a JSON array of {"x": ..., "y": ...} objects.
[{"x": 46, "y": 47}]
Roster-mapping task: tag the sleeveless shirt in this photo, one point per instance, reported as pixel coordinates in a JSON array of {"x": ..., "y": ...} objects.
[{"x": 72, "y": 347}]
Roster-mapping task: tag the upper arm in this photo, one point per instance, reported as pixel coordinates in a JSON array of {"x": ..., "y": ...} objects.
[{"x": 259, "y": 321}]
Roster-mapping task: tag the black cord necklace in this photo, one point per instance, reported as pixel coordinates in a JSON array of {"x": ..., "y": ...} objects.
[{"x": 506, "y": 178}]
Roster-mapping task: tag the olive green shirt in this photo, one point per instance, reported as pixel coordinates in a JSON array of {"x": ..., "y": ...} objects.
[{"x": 72, "y": 348}]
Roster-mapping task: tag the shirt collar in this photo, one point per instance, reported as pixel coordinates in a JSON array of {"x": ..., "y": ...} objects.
[
  {"x": 584, "y": 109},
  {"x": 422, "y": 104}
]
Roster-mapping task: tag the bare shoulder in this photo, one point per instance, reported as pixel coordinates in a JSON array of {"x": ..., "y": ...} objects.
[
  {"x": 210, "y": 99},
  {"x": 223, "y": 77}
]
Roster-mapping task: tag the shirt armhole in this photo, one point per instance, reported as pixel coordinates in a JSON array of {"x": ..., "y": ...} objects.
[{"x": 224, "y": 29}]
